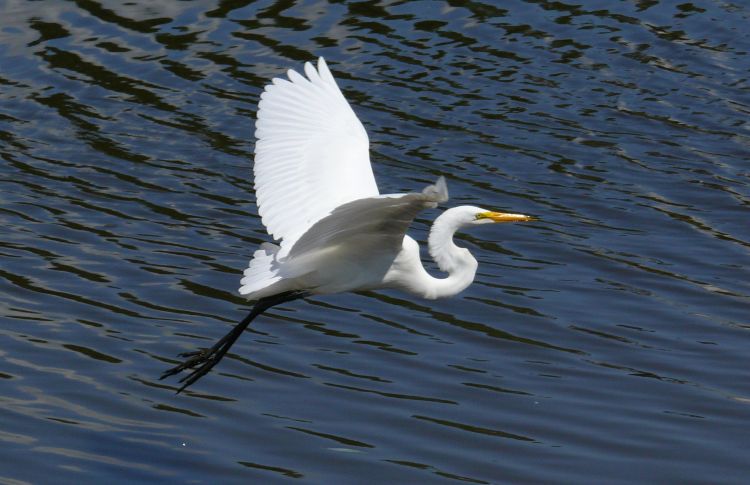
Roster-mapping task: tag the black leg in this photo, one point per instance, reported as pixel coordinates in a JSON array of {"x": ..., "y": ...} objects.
[{"x": 205, "y": 359}]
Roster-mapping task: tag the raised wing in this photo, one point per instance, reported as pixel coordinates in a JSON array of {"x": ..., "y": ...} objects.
[{"x": 312, "y": 153}]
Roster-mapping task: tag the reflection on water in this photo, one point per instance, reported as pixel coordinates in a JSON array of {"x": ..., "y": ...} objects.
[{"x": 613, "y": 331}]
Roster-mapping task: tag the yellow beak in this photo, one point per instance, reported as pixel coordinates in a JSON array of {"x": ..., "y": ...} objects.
[{"x": 504, "y": 217}]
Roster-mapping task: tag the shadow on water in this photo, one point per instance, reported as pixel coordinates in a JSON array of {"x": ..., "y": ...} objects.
[{"x": 605, "y": 341}]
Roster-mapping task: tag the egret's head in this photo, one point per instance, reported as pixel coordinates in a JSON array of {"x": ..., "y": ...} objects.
[{"x": 477, "y": 215}]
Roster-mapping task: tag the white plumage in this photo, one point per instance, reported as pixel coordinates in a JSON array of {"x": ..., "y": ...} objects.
[
  {"x": 316, "y": 194},
  {"x": 312, "y": 153}
]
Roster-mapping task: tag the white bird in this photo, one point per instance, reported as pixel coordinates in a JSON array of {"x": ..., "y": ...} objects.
[{"x": 316, "y": 193}]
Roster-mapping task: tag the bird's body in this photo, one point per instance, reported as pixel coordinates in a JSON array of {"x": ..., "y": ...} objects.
[{"x": 316, "y": 193}]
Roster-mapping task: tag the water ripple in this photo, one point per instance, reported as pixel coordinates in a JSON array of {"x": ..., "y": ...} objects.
[{"x": 610, "y": 332}]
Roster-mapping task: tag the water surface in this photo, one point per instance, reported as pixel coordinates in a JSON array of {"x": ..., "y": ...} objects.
[{"x": 607, "y": 341}]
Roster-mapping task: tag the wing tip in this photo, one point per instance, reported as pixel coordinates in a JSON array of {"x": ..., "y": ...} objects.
[
  {"x": 438, "y": 192},
  {"x": 323, "y": 70}
]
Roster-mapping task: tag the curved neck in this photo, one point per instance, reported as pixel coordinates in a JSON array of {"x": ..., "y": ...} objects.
[
  {"x": 457, "y": 262},
  {"x": 407, "y": 273}
]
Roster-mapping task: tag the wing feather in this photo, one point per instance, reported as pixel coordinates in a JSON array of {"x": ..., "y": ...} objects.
[
  {"x": 379, "y": 222},
  {"x": 312, "y": 153}
]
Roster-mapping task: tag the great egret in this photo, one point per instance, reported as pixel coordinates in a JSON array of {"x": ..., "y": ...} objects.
[{"x": 316, "y": 194}]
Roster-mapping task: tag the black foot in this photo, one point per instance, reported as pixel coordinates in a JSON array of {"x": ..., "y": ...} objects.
[{"x": 201, "y": 361}]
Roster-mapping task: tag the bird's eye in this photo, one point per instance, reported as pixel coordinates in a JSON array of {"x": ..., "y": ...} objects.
[{"x": 479, "y": 215}]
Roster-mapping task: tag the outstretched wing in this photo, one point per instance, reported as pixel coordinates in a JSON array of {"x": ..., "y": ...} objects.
[
  {"x": 312, "y": 153},
  {"x": 374, "y": 223}
]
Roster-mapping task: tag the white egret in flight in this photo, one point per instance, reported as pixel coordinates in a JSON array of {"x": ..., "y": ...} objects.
[{"x": 316, "y": 194}]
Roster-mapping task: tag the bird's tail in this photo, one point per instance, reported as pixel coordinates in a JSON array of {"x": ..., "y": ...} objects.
[{"x": 261, "y": 272}]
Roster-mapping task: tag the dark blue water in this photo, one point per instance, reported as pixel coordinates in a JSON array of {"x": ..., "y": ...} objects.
[{"x": 607, "y": 342}]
